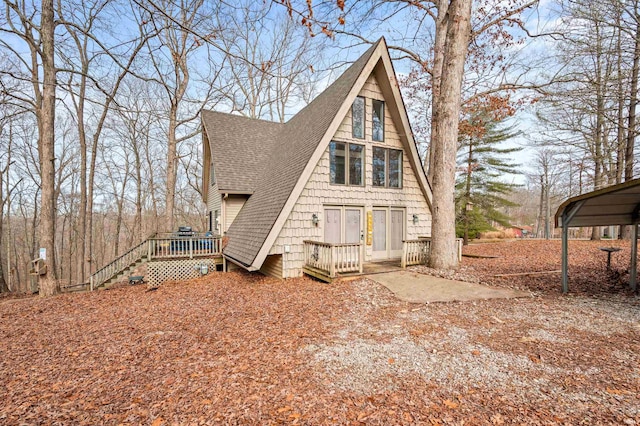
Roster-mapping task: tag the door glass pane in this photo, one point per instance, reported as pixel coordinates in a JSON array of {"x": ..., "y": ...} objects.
[
  {"x": 356, "y": 160},
  {"x": 378, "y": 166},
  {"x": 378, "y": 121},
  {"x": 379, "y": 230},
  {"x": 397, "y": 229},
  {"x": 352, "y": 225},
  {"x": 337, "y": 162},
  {"x": 332, "y": 226},
  {"x": 357, "y": 113},
  {"x": 395, "y": 168}
]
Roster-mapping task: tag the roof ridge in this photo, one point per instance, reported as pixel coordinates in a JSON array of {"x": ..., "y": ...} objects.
[{"x": 242, "y": 117}]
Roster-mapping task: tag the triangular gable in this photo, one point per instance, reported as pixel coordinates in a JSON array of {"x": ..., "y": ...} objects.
[
  {"x": 296, "y": 144},
  {"x": 379, "y": 63}
]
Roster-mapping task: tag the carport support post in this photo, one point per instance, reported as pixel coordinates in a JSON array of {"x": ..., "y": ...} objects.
[
  {"x": 565, "y": 254},
  {"x": 633, "y": 270}
]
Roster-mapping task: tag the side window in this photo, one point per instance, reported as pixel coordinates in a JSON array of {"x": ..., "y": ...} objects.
[
  {"x": 337, "y": 157},
  {"x": 357, "y": 113},
  {"x": 377, "y": 121}
]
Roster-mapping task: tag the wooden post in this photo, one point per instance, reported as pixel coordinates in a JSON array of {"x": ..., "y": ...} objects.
[
  {"x": 149, "y": 250},
  {"x": 633, "y": 270},
  {"x": 190, "y": 248},
  {"x": 361, "y": 251},
  {"x": 403, "y": 262},
  {"x": 91, "y": 283},
  {"x": 565, "y": 254},
  {"x": 332, "y": 263}
]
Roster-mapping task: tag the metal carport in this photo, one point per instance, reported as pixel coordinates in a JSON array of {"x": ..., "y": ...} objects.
[{"x": 614, "y": 205}]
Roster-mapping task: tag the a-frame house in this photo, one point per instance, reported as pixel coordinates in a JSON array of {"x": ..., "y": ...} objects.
[{"x": 340, "y": 184}]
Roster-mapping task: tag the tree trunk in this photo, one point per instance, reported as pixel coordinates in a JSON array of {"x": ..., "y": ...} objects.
[
  {"x": 445, "y": 138},
  {"x": 436, "y": 75},
  {"x": 48, "y": 283},
  {"x": 467, "y": 194},
  {"x": 172, "y": 169},
  {"x": 547, "y": 202},
  {"x": 633, "y": 93},
  {"x": 539, "y": 219}
]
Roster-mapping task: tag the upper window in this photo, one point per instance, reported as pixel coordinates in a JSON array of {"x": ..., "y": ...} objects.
[
  {"x": 346, "y": 163},
  {"x": 357, "y": 112},
  {"x": 377, "y": 131},
  {"x": 387, "y": 167}
]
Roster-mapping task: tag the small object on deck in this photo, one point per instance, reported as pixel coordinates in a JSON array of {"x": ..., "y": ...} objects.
[
  {"x": 136, "y": 279},
  {"x": 609, "y": 250}
]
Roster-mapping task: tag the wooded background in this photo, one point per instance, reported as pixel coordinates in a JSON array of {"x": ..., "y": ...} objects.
[{"x": 122, "y": 84}]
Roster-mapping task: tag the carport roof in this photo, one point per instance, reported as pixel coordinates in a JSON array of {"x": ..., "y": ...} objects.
[{"x": 614, "y": 205}]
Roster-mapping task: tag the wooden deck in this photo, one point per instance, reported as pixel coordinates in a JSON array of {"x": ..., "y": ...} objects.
[{"x": 368, "y": 268}]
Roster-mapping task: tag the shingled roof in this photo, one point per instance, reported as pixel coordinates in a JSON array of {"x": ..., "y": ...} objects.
[
  {"x": 267, "y": 159},
  {"x": 241, "y": 150},
  {"x": 275, "y": 160}
]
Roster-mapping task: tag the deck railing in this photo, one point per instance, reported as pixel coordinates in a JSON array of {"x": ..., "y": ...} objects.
[
  {"x": 159, "y": 246},
  {"x": 172, "y": 246},
  {"x": 416, "y": 252},
  {"x": 333, "y": 259}
]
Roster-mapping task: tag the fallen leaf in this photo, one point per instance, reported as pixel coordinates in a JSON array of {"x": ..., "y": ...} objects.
[{"x": 450, "y": 404}]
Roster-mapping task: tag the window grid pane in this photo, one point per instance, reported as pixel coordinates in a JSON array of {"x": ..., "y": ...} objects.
[
  {"x": 379, "y": 166},
  {"x": 337, "y": 162},
  {"x": 395, "y": 168},
  {"x": 378, "y": 121},
  {"x": 356, "y": 162},
  {"x": 357, "y": 112}
]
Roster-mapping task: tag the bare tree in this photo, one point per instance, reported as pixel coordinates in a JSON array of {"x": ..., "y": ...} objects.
[{"x": 182, "y": 33}]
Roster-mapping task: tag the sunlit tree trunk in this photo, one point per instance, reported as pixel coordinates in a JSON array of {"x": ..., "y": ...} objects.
[
  {"x": 48, "y": 283},
  {"x": 445, "y": 138}
]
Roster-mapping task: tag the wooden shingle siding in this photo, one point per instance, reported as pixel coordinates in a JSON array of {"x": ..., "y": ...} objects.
[
  {"x": 214, "y": 200},
  {"x": 318, "y": 192},
  {"x": 232, "y": 206},
  {"x": 272, "y": 266}
]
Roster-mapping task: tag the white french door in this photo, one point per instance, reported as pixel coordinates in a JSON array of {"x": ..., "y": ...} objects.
[
  {"x": 343, "y": 224},
  {"x": 388, "y": 232}
]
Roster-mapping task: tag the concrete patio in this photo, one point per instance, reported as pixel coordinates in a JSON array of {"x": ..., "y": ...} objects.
[{"x": 419, "y": 288}]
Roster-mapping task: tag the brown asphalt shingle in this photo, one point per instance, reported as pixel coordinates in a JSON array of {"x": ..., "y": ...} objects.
[
  {"x": 274, "y": 173},
  {"x": 240, "y": 149}
]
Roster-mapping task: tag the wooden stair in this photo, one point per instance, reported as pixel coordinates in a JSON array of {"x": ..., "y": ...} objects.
[{"x": 125, "y": 272}]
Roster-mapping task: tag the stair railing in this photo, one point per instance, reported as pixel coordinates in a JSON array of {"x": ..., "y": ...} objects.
[{"x": 119, "y": 264}]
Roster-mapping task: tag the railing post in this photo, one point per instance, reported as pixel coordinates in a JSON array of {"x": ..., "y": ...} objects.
[
  {"x": 190, "y": 248},
  {"x": 91, "y": 283},
  {"x": 332, "y": 264},
  {"x": 149, "y": 250},
  {"x": 361, "y": 257},
  {"x": 403, "y": 262}
]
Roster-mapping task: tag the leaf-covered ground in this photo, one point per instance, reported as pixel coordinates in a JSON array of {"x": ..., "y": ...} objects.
[
  {"x": 588, "y": 273},
  {"x": 244, "y": 349}
]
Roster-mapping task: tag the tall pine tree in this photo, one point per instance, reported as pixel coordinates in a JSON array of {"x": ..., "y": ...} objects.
[{"x": 481, "y": 192}]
